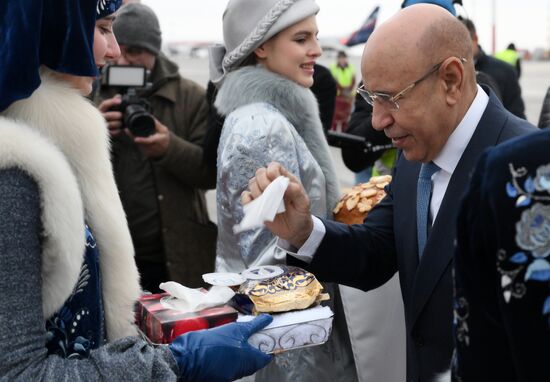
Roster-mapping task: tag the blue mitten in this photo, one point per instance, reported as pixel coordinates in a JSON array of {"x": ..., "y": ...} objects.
[{"x": 220, "y": 354}]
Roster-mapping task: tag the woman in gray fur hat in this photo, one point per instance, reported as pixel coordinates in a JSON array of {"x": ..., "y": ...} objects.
[{"x": 263, "y": 73}]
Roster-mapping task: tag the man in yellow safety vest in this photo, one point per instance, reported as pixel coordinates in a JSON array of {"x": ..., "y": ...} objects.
[
  {"x": 344, "y": 74},
  {"x": 510, "y": 56}
]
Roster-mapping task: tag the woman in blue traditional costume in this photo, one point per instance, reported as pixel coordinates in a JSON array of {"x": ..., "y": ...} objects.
[
  {"x": 67, "y": 271},
  {"x": 502, "y": 266}
]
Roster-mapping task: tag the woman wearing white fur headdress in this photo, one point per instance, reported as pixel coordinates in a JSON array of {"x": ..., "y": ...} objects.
[{"x": 68, "y": 295}]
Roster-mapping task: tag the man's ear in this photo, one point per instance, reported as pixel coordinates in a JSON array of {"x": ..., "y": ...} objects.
[{"x": 452, "y": 73}]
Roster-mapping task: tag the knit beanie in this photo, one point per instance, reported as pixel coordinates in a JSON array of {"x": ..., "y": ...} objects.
[
  {"x": 136, "y": 25},
  {"x": 247, "y": 24},
  {"x": 447, "y": 4}
]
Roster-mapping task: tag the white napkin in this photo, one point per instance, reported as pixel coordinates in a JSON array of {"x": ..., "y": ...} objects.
[
  {"x": 263, "y": 209},
  {"x": 192, "y": 300}
]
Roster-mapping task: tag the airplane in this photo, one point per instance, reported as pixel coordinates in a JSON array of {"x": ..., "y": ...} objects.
[
  {"x": 362, "y": 34},
  {"x": 357, "y": 37},
  {"x": 194, "y": 49}
]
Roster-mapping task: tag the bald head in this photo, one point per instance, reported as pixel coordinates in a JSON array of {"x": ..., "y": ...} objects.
[
  {"x": 419, "y": 36},
  {"x": 418, "y": 65}
]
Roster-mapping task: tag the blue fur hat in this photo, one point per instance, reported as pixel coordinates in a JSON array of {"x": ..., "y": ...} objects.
[
  {"x": 56, "y": 33},
  {"x": 447, "y": 4}
]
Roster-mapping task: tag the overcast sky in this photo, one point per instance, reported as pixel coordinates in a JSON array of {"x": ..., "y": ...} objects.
[{"x": 524, "y": 22}]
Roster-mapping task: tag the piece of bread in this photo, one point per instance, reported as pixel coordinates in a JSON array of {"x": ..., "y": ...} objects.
[{"x": 355, "y": 205}]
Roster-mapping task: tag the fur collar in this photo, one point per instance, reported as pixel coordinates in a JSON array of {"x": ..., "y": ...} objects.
[
  {"x": 443, "y": 377},
  {"x": 65, "y": 148},
  {"x": 62, "y": 211},
  {"x": 252, "y": 84}
]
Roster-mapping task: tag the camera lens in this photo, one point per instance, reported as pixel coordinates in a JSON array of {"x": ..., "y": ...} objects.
[{"x": 139, "y": 121}]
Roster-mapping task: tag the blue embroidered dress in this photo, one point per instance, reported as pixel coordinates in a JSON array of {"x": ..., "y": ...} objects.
[
  {"x": 79, "y": 326},
  {"x": 502, "y": 266}
]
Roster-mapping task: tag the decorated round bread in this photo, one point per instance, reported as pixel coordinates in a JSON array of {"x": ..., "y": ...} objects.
[
  {"x": 355, "y": 205},
  {"x": 294, "y": 289}
]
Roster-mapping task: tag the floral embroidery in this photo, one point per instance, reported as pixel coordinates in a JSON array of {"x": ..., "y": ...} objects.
[
  {"x": 461, "y": 314},
  {"x": 533, "y": 231},
  {"x": 511, "y": 286},
  {"x": 59, "y": 341},
  {"x": 532, "y": 234},
  {"x": 82, "y": 282},
  {"x": 109, "y": 5},
  {"x": 527, "y": 193},
  {"x": 542, "y": 181},
  {"x": 78, "y": 326}
]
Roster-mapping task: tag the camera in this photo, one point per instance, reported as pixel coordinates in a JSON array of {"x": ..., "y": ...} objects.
[{"x": 136, "y": 111}]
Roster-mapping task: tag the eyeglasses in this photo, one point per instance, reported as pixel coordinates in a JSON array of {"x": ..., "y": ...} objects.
[{"x": 390, "y": 101}]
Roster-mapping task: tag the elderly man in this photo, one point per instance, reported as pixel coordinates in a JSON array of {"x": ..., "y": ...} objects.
[{"x": 425, "y": 98}]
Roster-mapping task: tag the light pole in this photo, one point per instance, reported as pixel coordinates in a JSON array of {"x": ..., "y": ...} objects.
[
  {"x": 494, "y": 31},
  {"x": 547, "y": 26}
]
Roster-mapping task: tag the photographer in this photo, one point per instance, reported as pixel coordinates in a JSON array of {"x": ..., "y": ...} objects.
[{"x": 161, "y": 176}]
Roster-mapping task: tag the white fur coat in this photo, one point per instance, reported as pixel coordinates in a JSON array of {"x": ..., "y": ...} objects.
[{"x": 61, "y": 141}]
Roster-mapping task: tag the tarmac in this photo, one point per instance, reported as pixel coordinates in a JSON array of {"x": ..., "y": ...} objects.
[{"x": 534, "y": 81}]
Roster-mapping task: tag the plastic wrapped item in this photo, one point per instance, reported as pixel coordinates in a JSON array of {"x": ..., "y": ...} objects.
[
  {"x": 291, "y": 295},
  {"x": 292, "y": 288},
  {"x": 161, "y": 324}
]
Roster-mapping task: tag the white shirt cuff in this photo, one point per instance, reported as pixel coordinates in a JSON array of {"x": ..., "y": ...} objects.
[{"x": 307, "y": 251}]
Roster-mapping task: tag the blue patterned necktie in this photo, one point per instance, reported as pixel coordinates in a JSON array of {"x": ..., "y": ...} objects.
[{"x": 423, "y": 196}]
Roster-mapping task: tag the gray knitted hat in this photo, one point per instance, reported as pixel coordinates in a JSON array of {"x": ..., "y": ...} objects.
[
  {"x": 137, "y": 25},
  {"x": 247, "y": 24}
]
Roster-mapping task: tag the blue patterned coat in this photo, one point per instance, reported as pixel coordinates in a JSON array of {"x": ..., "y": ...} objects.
[{"x": 502, "y": 266}]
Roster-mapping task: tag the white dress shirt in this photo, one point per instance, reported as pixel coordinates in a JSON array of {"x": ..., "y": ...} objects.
[{"x": 447, "y": 160}]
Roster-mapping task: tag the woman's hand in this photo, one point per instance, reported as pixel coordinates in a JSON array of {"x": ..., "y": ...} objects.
[{"x": 220, "y": 354}]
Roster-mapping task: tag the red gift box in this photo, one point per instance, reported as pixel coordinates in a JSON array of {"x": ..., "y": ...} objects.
[{"x": 161, "y": 324}]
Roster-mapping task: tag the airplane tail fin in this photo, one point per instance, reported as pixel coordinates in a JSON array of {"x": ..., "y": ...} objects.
[{"x": 362, "y": 34}]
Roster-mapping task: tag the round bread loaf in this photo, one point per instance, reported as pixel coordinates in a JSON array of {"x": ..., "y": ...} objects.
[{"x": 355, "y": 205}]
